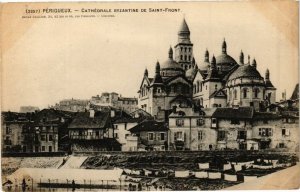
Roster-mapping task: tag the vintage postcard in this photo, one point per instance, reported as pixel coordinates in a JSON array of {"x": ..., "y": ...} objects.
[{"x": 149, "y": 96}]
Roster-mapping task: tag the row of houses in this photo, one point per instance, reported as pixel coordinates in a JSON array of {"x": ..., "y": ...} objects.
[{"x": 187, "y": 128}]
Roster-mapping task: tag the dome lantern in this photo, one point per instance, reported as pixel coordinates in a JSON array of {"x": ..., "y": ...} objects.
[
  {"x": 171, "y": 53},
  {"x": 242, "y": 57}
]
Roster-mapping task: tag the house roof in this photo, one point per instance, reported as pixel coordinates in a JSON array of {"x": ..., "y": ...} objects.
[
  {"x": 83, "y": 120},
  {"x": 150, "y": 125},
  {"x": 234, "y": 113},
  {"x": 265, "y": 115},
  {"x": 218, "y": 93}
]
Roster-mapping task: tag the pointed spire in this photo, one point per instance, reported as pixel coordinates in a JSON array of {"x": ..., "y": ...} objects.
[
  {"x": 157, "y": 68},
  {"x": 242, "y": 57},
  {"x": 249, "y": 59},
  {"x": 170, "y": 53},
  {"x": 213, "y": 63},
  {"x": 254, "y": 63},
  {"x": 267, "y": 75},
  {"x": 184, "y": 28},
  {"x": 206, "y": 57},
  {"x": 146, "y": 72},
  {"x": 224, "y": 47}
]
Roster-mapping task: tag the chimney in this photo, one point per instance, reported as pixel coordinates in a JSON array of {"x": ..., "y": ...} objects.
[{"x": 92, "y": 113}]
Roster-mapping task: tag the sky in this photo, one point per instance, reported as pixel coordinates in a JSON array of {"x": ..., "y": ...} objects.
[{"x": 47, "y": 60}]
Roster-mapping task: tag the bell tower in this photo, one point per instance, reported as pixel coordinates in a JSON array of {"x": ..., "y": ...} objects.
[{"x": 184, "y": 47}]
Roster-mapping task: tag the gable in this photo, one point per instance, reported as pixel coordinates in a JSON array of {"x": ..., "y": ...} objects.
[
  {"x": 198, "y": 77},
  {"x": 179, "y": 79},
  {"x": 145, "y": 81}
]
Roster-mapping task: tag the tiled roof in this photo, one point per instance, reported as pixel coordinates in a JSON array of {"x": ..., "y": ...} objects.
[
  {"x": 149, "y": 126},
  {"x": 265, "y": 115},
  {"x": 234, "y": 113},
  {"x": 83, "y": 120}
]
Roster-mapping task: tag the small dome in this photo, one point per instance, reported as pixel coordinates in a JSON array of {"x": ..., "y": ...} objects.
[
  {"x": 225, "y": 59},
  {"x": 204, "y": 66},
  {"x": 245, "y": 71},
  {"x": 170, "y": 64}
]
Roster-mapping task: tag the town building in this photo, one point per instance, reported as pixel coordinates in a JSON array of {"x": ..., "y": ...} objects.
[
  {"x": 12, "y": 124},
  {"x": 232, "y": 128},
  {"x": 152, "y": 135},
  {"x": 93, "y": 131},
  {"x": 28, "y": 109},
  {"x": 106, "y": 100},
  {"x": 72, "y": 105},
  {"x": 42, "y": 134}
]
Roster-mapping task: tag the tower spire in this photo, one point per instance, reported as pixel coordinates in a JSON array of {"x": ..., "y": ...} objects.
[
  {"x": 206, "y": 57},
  {"x": 224, "y": 47},
  {"x": 146, "y": 72},
  {"x": 213, "y": 63},
  {"x": 242, "y": 57},
  {"x": 254, "y": 63},
  {"x": 171, "y": 53},
  {"x": 267, "y": 75}
]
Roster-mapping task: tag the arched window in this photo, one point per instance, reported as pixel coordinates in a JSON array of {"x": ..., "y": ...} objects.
[
  {"x": 181, "y": 48},
  {"x": 185, "y": 57},
  {"x": 245, "y": 92},
  {"x": 185, "y": 49},
  {"x": 186, "y": 67},
  {"x": 235, "y": 94},
  {"x": 256, "y": 91},
  {"x": 181, "y": 57},
  {"x": 198, "y": 86},
  {"x": 189, "y": 58}
]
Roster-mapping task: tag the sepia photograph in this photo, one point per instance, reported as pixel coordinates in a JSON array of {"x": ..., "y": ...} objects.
[{"x": 150, "y": 96}]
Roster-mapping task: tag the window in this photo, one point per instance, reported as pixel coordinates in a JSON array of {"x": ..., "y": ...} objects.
[
  {"x": 178, "y": 136},
  {"x": 200, "y": 135},
  {"x": 181, "y": 57},
  {"x": 150, "y": 136},
  {"x": 242, "y": 135},
  {"x": 265, "y": 132},
  {"x": 285, "y": 132},
  {"x": 256, "y": 92},
  {"x": 179, "y": 122},
  {"x": 50, "y": 148},
  {"x": 116, "y": 136},
  {"x": 43, "y": 137},
  {"x": 80, "y": 133},
  {"x": 50, "y": 137},
  {"x": 190, "y": 59},
  {"x": 43, "y": 148},
  {"x": 245, "y": 93},
  {"x": 97, "y": 133},
  {"x": 116, "y": 126},
  {"x": 185, "y": 58},
  {"x": 281, "y": 145},
  {"x": 162, "y": 136},
  {"x": 125, "y": 126},
  {"x": 235, "y": 121},
  {"x": 214, "y": 121},
  {"x": 158, "y": 90},
  {"x": 216, "y": 86},
  {"x": 8, "y": 130},
  {"x": 221, "y": 135},
  {"x": 200, "y": 122},
  {"x": 185, "y": 49},
  {"x": 198, "y": 86},
  {"x": 235, "y": 94}
]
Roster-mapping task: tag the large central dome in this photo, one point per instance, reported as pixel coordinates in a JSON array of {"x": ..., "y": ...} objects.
[{"x": 224, "y": 61}]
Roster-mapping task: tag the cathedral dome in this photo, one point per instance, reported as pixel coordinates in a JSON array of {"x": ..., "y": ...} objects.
[
  {"x": 225, "y": 59},
  {"x": 170, "y": 67},
  {"x": 170, "y": 64},
  {"x": 245, "y": 71},
  {"x": 204, "y": 66},
  {"x": 190, "y": 73}
]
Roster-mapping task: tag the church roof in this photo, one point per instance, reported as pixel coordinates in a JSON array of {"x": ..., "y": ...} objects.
[
  {"x": 225, "y": 59},
  {"x": 245, "y": 70},
  {"x": 184, "y": 28}
]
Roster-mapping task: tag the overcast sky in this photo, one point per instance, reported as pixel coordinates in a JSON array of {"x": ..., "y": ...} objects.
[{"x": 47, "y": 60}]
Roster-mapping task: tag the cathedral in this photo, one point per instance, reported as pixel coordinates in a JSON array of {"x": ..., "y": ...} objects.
[{"x": 217, "y": 82}]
